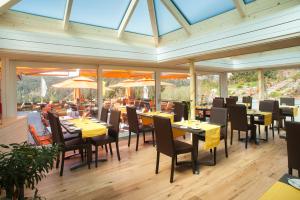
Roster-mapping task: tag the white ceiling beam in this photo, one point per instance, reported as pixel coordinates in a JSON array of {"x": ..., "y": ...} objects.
[
  {"x": 67, "y": 14},
  {"x": 127, "y": 17},
  {"x": 178, "y": 16},
  {"x": 240, "y": 6},
  {"x": 153, "y": 22},
  {"x": 7, "y": 4}
]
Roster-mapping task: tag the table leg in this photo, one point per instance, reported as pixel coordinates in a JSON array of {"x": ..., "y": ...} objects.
[{"x": 195, "y": 147}]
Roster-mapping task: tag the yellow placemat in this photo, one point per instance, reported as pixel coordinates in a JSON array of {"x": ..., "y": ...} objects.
[
  {"x": 89, "y": 128},
  {"x": 212, "y": 132},
  {"x": 281, "y": 191},
  {"x": 148, "y": 120}
]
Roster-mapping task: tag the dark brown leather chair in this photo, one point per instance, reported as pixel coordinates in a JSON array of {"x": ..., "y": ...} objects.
[
  {"x": 276, "y": 115},
  {"x": 230, "y": 102},
  {"x": 293, "y": 147},
  {"x": 137, "y": 128},
  {"x": 265, "y": 106},
  {"x": 236, "y": 98},
  {"x": 218, "y": 102},
  {"x": 165, "y": 143},
  {"x": 248, "y": 99},
  {"x": 286, "y": 112},
  {"x": 287, "y": 101},
  {"x": 65, "y": 146},
  {"x": 104, "y": 114},
  {"x": 111, "y": 137},
  {"x": 178, "y": 111},
  {"x": 239, "y": 122}
]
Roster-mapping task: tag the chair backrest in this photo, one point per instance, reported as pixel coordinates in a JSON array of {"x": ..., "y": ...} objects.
[
  {"x": 114, "y": 120},
  {"x": 287, "y": 101},
  {"x": 238, "y": 114},
  {"x": 236, "y": 98},
  {"x": 57, "y": 130},
  {"x": 230, "y": 102},
  {"x": 178, "y": 111},
  {"x": 137, "y": 103},
  {"x": 219, "y": 116},
  {"x": 53, "y": 127},
  {"x": 266, "y": 105},
  {"x": 104, "y": 114},
  {"x": 293, "y": 144},
  {"x": 218, "y": 103},
  {"x": 132, "y": 119},
  {"x": 247, "y": 99},
  {"x": 164, "y": 135},
  {"x": 34, "y": 134}
]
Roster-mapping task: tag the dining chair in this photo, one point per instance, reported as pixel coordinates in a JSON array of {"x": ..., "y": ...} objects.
[
  {"x": 276, "y": 115},
  {"x": 287, "y": 101},
  {"x": 166, "y": 145},
  {"x": 136, "y": 127},
  {"x": 104, "y": 114},
  {"x": 218, "y": 103},
  {"x": 230, "y": 102},
  {"x": 178, "y": 111},
  {"x": 236, "y": 98},
  {"x": 239, "y": 122},
  {"x": 293, "y": 147},
  {"x": 39, "y": 140},
  {"x": 69, "y": 145},
  {"x": 287, "y": 112},
  {"x": 248, "y": 100},
  {"x": 111, "y": 137}
]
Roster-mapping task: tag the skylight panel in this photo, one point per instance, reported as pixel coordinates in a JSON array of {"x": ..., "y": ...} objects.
[
  {"x": 199, "y": 10},
  {"x": 165, "y": 21},
  {"x": 248, "y": 1},
  {"x": 46, "y": 8},
  {"x": 140, "y": 21},
  {"x": 104, "y": 13}
]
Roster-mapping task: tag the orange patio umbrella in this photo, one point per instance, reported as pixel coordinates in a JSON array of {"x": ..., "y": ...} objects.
[{"x": 139, "y": 83}]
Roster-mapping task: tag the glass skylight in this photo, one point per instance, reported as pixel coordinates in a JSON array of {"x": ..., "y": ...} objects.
[
  {"x": 102, "y": 13},
  {"x": 165, "y": 21},
  {"x": 46, "y": 8},
  {"x": 198, "y": 10},
  {"x": 248, "y": 1},
  {"x": 140, "y": 21}
]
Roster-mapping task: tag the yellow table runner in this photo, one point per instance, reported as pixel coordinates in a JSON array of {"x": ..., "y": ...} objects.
[
  {"x": 267, "y": 116},
  {"x": 281, "y": 191},
  {"x": 148, "y": 120},
  {"x": 89, "y": 128},
  {"x": 212, "y": 132}
]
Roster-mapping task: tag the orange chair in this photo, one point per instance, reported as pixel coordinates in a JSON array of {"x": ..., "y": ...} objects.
[{"x": 39, "y": 140}]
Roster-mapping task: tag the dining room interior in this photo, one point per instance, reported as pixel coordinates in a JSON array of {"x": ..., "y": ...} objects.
[{"x": 150, "y": 99}]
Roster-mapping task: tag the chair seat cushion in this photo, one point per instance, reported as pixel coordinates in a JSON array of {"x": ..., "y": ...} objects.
[
  {"x": 182, "y": 147},
  {"x": 69, "y": 136},
  {"x": 145, "y": 128},
  {"x": 101, "y": 140},
  {"x": 73, "y": 144}
]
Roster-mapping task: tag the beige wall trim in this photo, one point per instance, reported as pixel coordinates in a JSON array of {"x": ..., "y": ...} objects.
[
  {"x": 7, "y": 4},
  {"x": 240, "y": 6}
]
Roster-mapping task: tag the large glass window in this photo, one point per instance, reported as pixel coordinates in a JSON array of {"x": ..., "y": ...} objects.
[
  {"x": 198, "y": 10},
  {"x": 99, "y": 12},
  {"x": 207, "y": 89},
  {"x": 46, "y": 8}
]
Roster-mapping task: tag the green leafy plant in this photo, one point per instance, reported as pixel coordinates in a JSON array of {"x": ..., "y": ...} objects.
[{"x": 24, "y": 165}]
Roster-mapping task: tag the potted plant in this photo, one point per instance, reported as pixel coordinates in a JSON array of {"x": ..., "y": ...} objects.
[{"x": 24, "y": 165}]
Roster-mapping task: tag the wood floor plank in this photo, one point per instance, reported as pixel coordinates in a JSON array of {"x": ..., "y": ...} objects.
[{"x": 246, "y": 174}]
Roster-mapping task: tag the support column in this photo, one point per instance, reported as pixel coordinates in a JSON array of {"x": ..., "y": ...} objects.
[
  {"x": 223, "y": 84},
  {"x": 192, "y": 90},
  {"x": 8, "y": 88},
  {"x": 261, "y": 84},
  {"x": 99, "y": 90},
  {"x": 157, "y": 91}
]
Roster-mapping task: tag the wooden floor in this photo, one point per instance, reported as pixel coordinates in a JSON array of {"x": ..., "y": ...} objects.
[{"x": 246, "y": 174}]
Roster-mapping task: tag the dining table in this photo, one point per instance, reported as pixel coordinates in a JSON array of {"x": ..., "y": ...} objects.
[
  {"x": 88, "y": 128},
  {"x": 267, "y": 119},
  {"x": 199, "y": 129},
  {"x": 282, "y": 189}
]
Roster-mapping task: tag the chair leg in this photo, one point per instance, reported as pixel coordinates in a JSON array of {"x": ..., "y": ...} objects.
[
  {"x": 193, "y": 162},
  {"x": 62, "y": 163},
  {"x": 96, "y": 156},
  {"x": 157, "y": 162},
  {"x": 210, "y": 150},
  {"x": 231, "y": 136},
  {"x": 110, "y": 149},
  {"x": 239, "y": 135},
  {"x": 267, "y": 133},
  {"x": 172, "y": 169},
  {"x": 137, "y": 142},
  {"x": 215, "y": 155},
  {"x": 153, "y": 138},
  {"x": 81, "y": 154},
  {"x": 246, "y": 144},
  {"x": 129, "y": 137},
  {"x": 278, "y": 126},
  {"x": 259, "y": 130},
  {"x": 144, "y": 138},
  {"x": 106, "y": 150},
  {"x": 226, "y": 150},
  {"x": 57, "y": 160},
  {"x": 298, "y": 173},
  {"x": 118, "y": 152},
  {"x": 290, "y": 171}
]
